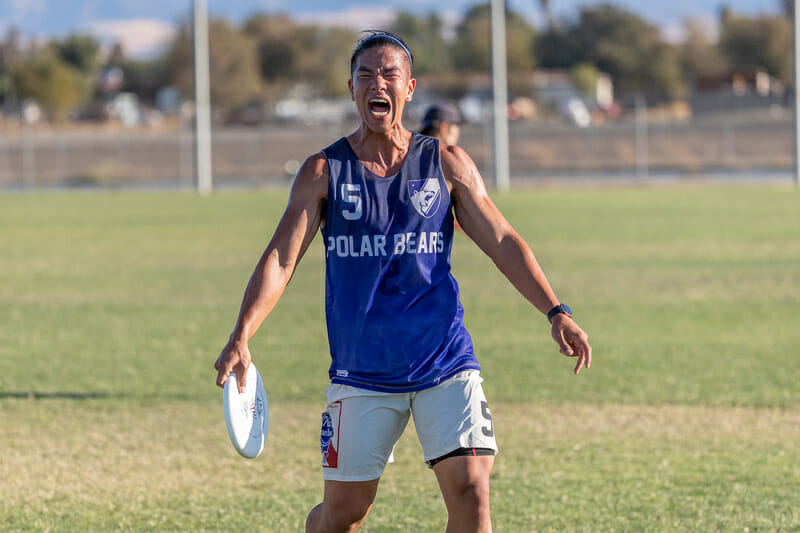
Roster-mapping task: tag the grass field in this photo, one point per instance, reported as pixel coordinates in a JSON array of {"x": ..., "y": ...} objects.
[{"x": 113, "y": 308}]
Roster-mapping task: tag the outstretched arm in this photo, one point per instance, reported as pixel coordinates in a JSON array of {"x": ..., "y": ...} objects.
[
  {"x": 484, "y": 224},
  {"x": 291, "y": 239}
]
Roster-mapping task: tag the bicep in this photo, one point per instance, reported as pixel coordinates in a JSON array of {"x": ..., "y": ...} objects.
[
  {"x": 475, "y": 211},
  {"x": 303, "y": 215}
]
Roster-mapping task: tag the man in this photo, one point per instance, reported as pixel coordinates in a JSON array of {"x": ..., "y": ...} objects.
[
  {"x": 385, "y": 199},
  {"x": 443, "y": 122}
]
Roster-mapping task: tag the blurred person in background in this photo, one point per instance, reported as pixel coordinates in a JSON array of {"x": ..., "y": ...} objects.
[{"x": 442, "y": 121}]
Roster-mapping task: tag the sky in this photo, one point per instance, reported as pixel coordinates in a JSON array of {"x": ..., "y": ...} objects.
[{"x": 144, "y": 25}]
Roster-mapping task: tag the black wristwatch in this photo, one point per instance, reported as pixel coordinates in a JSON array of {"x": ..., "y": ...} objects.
[{"x": 560, "y": 308}]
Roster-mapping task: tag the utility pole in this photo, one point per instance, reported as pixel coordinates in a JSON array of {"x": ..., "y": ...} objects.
[
  {"x": 796, "y": 26},
  {"x": 640, "y": 132},
  {"x": 202, "y": 100},
  {"x": 500, "y": 91}
]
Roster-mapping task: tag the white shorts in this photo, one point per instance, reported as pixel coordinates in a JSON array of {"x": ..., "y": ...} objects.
[{"x": 360, "y": 427}]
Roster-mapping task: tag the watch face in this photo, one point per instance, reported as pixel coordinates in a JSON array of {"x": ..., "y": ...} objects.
[{"x": 560, "y": 308}]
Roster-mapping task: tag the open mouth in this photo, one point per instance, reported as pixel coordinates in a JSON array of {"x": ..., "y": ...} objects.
[{"x": 379, "y": 107}]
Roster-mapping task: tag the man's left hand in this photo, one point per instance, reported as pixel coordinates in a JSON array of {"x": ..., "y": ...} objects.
[{"x": 572, "y": 340}]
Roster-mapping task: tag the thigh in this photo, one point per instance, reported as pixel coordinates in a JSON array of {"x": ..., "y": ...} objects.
[
  {"x": 453, "y": 415},
  {"x": 464, "y": 482},
  {"x": 348, "y": 502},
  {"x": 458, "y": 472},
  {"x": 345, "y": 493},
  {"x": 358, "y": 434},
  {"x": 345, "y": 504}
]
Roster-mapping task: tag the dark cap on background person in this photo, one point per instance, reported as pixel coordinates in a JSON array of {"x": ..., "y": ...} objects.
[
  {"x": 436, "y": 114},
  {"x": 442, "y": 121}
]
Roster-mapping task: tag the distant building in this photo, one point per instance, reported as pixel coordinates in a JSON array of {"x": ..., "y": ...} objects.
[
  {"x": 554, "y": 87},
  {"x": 742, "y": 88}
]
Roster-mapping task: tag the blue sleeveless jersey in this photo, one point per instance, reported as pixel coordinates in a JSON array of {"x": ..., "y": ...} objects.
[{"x": 395, "y": 322}]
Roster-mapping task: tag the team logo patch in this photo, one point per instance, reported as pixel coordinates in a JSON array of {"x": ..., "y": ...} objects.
[
  {"x": 329, "y": 436},
  {"x": 426, "y": 195}
]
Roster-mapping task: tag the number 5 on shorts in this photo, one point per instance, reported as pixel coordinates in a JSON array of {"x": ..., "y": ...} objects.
[{"x": 488, "y": 431}]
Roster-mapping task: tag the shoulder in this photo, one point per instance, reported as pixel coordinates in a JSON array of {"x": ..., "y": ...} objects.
[
  {"x": 458, "y": 168},
  {"x": 315, "y": 165},
  {"x": 312, "y": 178}
]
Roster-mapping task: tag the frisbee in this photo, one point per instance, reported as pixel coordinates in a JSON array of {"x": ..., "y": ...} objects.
[{"x": 246, "y": 415}]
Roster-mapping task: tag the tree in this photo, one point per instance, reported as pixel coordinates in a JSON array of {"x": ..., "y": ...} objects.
[
  {"x": 117, "y": 56},
  {"x": 424, "y": 37},
  {"x": 584, "y": 78},
  {"x": 472, "y": 47},
  {"x": 79, "y": 51},
  {"x": 699, "y": 55},
  {"x": 82, "y": 53},
  {"x": 620, "y": 43},
  {"x": 55, "y": 85},
  {"x": 9, "y": 55},
  {"x": 277, "y": 50},
  {"x": 291, "y": 55},
  {"x": 10, "y": 50},
  {"x": 764, "y": 41},
  {"x": 323, "y": 60},
  {"x": 334, "y": 46},
  {"x": 144, "y": 78},
  {"x": 233, "y": 63},
  {"x": 557, "y": 49}
]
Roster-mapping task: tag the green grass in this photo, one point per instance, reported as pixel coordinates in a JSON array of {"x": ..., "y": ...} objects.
[{"x": 113, "y": 308}]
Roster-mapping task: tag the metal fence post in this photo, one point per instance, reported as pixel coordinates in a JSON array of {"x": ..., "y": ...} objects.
[
  {"x": 640, "y": 131},
  {"x": 796, "y": 30},
  {"x": 28, "y": 158}
]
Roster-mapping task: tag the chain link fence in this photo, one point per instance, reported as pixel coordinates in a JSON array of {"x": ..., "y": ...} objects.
[{"x": 746, "y": 144}]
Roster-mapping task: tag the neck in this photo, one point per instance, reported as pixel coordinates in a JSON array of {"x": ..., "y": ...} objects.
[{"x": 383, "y": 153}]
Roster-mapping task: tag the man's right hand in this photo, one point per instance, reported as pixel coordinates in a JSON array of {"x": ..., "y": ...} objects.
[{"x": 235, "y": 358}]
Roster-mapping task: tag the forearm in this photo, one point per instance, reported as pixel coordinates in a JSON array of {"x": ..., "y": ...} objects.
[
  {"x": 488, "y": 228},
  {"x": 266, "y": 285},
  {"x": 296, "y": 229},
  {"x": 516, "y": 261}
]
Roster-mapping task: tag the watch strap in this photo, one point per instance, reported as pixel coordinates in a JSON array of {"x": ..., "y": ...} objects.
[{"x": 557, "y": 310}]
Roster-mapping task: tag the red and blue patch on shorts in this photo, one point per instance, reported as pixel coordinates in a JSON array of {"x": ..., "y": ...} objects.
[{"x": 329, "y": 437}]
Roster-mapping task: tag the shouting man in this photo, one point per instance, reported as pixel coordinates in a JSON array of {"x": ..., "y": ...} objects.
[{"x": 385, "y": 199}]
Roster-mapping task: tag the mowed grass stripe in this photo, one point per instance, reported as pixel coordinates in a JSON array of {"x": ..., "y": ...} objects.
[{"x": 690, "y": 295}]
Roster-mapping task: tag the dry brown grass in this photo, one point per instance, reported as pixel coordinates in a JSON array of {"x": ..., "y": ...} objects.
[{"x": 91, "y": 449}]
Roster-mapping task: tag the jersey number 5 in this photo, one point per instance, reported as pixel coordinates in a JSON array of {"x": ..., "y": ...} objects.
[{"x": 351, "y": 196}]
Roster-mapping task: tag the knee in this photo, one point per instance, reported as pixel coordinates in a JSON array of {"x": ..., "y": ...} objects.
[
  {"x": 468, "y": 506},
  {"x": 344, "y": 517},
  {"x": 465, "y": 486},
  {"x": 347, "y": 518},
  {"x": 473, "y": 494}
]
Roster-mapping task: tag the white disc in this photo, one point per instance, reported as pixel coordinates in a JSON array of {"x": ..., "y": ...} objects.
[{"x": 246, "y": 415}]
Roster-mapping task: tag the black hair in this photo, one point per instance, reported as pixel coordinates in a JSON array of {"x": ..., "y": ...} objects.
[
  {"x": 428, "y": 130},
  {"x": 376, "y": 39}
]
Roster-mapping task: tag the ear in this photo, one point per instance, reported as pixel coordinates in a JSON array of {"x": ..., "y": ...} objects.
[
  {"x": 350, "y": 88},
  {"x": 412, "y": 84}
]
